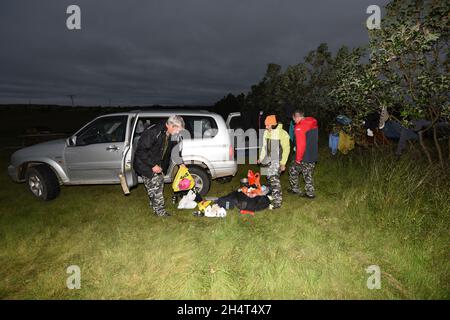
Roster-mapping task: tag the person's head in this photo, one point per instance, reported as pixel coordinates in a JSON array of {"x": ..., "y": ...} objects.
[
  {"x": 270, "y": 122},
  {"x": 174, "y": 124},
  {"x": 298, "y": 115}
]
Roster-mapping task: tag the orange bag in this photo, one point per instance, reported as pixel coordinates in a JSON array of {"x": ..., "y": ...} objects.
[{"x": 254, "y": 179}]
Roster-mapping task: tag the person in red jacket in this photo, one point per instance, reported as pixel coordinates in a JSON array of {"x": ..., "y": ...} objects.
[{"x": 305, "y": 157}]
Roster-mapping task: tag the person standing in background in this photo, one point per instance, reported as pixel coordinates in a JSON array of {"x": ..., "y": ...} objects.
[{"x": 306, "y": 133}]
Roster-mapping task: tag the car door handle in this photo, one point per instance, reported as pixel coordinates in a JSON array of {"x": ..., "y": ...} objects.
[{"x": 112, "y": 148}]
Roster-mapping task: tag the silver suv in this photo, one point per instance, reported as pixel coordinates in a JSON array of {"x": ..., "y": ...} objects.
[{"x": 102, "y": 152}]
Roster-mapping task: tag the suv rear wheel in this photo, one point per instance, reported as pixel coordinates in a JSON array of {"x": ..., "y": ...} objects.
[
  {"x": 42, "y": 182},
  {"x": 201, "y": 178}
]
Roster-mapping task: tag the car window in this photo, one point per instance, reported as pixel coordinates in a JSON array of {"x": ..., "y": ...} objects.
[
  {"x": 103, "y": 130},
  {"x": 206, "y": 126},
  {"x": 200, "y": 126},
  {"x": 236, "y": 123},
  {"x": 145, "y": 122}
]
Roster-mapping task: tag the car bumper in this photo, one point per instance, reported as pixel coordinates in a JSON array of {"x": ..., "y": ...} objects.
[{"x": 13, "y": 173}]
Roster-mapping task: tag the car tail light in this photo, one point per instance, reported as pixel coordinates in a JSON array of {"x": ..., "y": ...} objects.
[{"x": 231, "y": 153}]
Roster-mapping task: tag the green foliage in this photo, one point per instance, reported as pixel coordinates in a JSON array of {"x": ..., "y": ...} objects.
[
  {"x": 408, "y": 50},
  {"x": 293, "y": 84},
  {"x": 320, "y": 67}
]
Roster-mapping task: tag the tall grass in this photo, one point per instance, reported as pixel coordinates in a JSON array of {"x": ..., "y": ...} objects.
[{"x": 370, "y": 209}]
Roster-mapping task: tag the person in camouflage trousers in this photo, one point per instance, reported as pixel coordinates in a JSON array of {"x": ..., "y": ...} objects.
[
  {"x": 306, "y": 169},
  {"x": 153, "y": 157},
  {"x": 274, "y": 153},
  {"x": 305, "y": 155},
  {"x": 273, "y": 178},
  {"x": 154, "y": 187}
]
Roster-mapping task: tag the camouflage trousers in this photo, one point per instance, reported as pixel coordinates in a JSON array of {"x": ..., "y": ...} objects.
[
  {"x": 155, "y": 187},
  {"x": 273, "y": 178},
  {"x": 307, "y": 170}
]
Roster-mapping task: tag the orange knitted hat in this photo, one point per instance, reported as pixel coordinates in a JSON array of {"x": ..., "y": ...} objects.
[{"x": 270, "y": 120}]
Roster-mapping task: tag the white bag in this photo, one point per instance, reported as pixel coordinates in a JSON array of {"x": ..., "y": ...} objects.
[
  {"x": 215, "y": 211},
  {"x": 187, "y": 202}
]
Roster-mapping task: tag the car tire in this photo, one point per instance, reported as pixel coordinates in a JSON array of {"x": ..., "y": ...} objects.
[
  {"x": 202, "y": 179},
  {"x": 42, "y": 182}
]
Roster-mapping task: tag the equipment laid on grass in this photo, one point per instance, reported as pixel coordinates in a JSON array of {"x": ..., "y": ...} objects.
[
  {"x": 250, "y": 197},
  {"x": 188, "y": 201},
  {"x": 215, "y": 211}
]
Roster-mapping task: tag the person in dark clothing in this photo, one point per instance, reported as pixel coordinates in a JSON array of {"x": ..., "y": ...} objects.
[
  {"x": 306, "y": 154},
  {"x": 153, "y": 156}
]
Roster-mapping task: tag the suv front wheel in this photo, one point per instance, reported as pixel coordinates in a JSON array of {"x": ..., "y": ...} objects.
[
  {"x": 42, "y": 182},
  {"x": 201, "y": 178}
]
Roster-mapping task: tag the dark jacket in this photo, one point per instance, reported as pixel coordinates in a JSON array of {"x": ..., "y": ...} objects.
[
  {"x": 307, "y": 140},
  {"x": 150, "y": 148}
]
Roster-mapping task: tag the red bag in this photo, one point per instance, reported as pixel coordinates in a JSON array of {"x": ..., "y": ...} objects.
[{"x": 252, "y": 213}]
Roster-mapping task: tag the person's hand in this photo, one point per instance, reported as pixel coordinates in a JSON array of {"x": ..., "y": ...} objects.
[
  {"x": 156, "y": 169},
  {"x": 258, "y": 161},
  {"x": 297, "y": 162},
  {"x": 282, "y": 167},
  {"x": 182, "y": 165}
]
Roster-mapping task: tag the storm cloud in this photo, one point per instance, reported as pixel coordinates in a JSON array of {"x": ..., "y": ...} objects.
[{"x": 162, "y": 52}]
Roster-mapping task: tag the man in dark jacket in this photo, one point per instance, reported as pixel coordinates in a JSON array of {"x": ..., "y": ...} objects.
[
  {"x": 152, "y": 159},
  {"x": 306, "y": 154}
]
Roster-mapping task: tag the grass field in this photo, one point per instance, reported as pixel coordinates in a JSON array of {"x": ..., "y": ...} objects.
[{"x": 368, "y": 211}]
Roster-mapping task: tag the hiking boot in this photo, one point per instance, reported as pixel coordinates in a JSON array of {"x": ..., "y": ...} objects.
[{"x": 309, "y": 196}]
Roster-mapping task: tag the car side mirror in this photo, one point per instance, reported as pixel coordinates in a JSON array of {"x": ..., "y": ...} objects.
[{"x": 71, "y": 141}]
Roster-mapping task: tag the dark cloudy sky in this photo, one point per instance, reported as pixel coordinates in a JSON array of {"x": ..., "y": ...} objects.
[{"x": 162, "y": 52}]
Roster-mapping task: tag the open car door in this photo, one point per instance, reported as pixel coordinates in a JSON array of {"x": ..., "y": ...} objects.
[
  {"x": 128, "y": 177},
  {"x": 238, "y": 124}
]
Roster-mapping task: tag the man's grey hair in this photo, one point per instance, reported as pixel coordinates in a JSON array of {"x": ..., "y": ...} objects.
[{"x": 176, "y": 121}]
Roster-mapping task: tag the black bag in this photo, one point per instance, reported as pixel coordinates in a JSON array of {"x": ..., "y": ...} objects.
[{"x": 242, "y": 202}]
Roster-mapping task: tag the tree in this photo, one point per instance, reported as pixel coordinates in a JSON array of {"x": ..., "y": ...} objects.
[
  {"x": 230, "y": 103},
  {"x": 410, "y": 51},
  {"x": 357, "y": 89},
  {"x": 319, "y": 64},
  {"x": 293, "y": 86},
  {"x": 407, "y": 69},
  {"x": 266, "y": 95}
]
